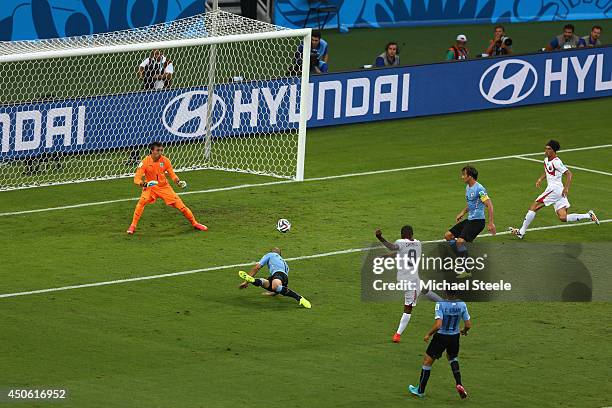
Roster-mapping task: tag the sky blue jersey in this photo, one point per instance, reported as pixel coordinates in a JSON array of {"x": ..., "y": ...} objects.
[
  {"x": 451, "y": 312},
  {"x": 275, "y": 263},
  {"x": 476, "y": 197}
]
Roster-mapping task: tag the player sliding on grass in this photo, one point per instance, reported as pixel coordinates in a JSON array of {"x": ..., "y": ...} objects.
[
  {"x": 445, "y": 331},
  {"x": 278, "y": 277},
  {"x": 555, "y": 193},
  {"x": 155, "y": 185},
  {"x": 467, "y": 230}
]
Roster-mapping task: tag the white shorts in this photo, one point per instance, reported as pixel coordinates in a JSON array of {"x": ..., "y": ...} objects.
[
  {"x": 553, "y": 197},
  {"x": 410, "y": 297}
]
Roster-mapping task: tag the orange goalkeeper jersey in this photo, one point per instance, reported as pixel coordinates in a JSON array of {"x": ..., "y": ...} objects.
[{"x": 154, "y": 170}]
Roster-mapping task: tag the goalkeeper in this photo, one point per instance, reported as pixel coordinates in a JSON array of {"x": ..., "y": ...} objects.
[{"x": 155, "y": 185}]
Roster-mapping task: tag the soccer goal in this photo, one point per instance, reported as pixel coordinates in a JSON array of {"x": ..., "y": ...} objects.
[{"x": 219, "y": 90}]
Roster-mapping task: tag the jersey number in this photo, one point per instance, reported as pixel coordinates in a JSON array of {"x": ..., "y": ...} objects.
[
  {"x": 451, "y": 323},
  {"x": 412, "y": 255}
]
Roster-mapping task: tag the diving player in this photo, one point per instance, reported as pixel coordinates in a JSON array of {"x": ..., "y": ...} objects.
[{"x": 278, "y": 276}]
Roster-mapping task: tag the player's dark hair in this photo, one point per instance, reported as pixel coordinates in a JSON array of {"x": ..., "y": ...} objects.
[
  {"x": 554, "y": 145},
  {"x": 406, "y": 231},
  {"x": 500, "y": 26},
  {"x": 569, "y": 27},
  {"x": 470, "y": 171},
  {"x": 598, "y": 27},
  {"x": 390, "y": 43},
  {"x": 316, "y": 34},
  {"x": 452, "y": 293},
  {"x": 155, "y": 144}
]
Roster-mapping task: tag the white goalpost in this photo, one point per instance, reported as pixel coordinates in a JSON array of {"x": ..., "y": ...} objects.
[{"x": 219, "y": 90}]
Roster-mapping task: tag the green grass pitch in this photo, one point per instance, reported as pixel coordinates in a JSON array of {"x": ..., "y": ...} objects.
[{"x": 197, "y": 341}]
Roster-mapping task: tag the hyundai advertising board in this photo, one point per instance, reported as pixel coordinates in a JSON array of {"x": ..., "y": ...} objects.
[{"x": 271, "y": 106}]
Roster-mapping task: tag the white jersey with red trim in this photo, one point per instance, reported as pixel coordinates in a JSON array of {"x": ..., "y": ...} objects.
[
  {"x": 409, "y": 252},
  {"x": 554, "y": 169}
]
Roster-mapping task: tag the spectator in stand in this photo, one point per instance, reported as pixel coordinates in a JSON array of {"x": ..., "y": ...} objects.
[
  {"x": 388, "y": 58},
  {"x": 318, "y": 54},
  {"x": 156, "y": 71},
  {"x": 459, "y": 50},
  {"x": 500, "y": 44},
  {"x": 564, "y": 41},
  {"x": 591, "y": 40}
]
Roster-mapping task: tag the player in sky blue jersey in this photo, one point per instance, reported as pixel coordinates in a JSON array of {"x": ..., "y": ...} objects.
[
  {"x": 446, "y": 333},
  {"x": 278, "y": 276},
  {"x": 477, "y": 200}
]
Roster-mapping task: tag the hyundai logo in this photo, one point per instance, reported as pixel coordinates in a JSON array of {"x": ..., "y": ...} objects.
[
  {"x": 185, "y": 115},
  {"x": 522, "y": 78}
]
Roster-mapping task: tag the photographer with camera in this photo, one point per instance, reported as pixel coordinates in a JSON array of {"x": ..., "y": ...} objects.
[
  {"x": 458, "y": 51},
  {"x": 591, "y": 40},
  {"x": 565, "y": 41},
  {"x": 388, "y": 58},
  {"x": 318, "y": 55},
  {"x": 501, "y": 44},
  {"x": 156, "y": 71}
]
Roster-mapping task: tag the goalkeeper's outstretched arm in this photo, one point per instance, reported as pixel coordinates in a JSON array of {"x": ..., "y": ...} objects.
[
  {"x": 138, "y": 176},
  {"x": 174, "y": 177},
  {"x": 140, "y": 182}
]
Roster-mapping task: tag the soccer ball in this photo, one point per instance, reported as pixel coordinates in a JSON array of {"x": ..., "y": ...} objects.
[{"x": 283, "y": 225}]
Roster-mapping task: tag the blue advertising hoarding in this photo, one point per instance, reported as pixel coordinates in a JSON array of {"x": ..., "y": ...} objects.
[
  {"x": 385, "y": 13},
  {"x": 138, "y": 118}
]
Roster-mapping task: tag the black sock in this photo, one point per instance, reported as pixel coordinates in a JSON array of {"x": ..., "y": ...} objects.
[
  {"x": 257, "y": 282},
  {"x": 285, "y": 291},
  {"x": 456, "y": 373},
  {"x": 425, "y": 371}
]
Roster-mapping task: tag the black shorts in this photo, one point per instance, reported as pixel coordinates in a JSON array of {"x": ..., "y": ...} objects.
[
  {"x": 441, "y": 343},
  {"x": 468, "y": 229},
  {"x": 278, "y": 275}
]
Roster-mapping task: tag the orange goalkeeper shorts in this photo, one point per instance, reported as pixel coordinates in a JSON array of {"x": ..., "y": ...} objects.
[{"x": 166, "y": 193}]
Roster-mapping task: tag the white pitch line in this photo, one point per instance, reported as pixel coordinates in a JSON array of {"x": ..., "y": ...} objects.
[
  {"x": 240, "y": 265},
  {"x": 272, "y": 183},
  {"x": 571, "y": 167}
]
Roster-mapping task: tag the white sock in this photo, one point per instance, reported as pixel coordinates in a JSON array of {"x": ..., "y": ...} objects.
[
  {"x": 403, "y": 322},
  {"x": 528, "y": 218},
  {"x": 578, "y": 217}
]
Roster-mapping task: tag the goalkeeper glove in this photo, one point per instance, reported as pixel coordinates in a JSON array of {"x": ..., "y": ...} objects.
[
  {"x": 149, "y": 183},
  {"x": 182, "y": 184}
]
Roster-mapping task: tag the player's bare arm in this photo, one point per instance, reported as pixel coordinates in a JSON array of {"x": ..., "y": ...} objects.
[
  {"x": 491, "y": 226},
  {"x": 539, "y": 180},
  {"x": 569, "y": 176},
  {"x": 461, "y": 214},
  {"x": 466, "y": 327},
  {"x": 433, "y": 330},
  {"x": 387, "y": 244},
  {"x": 252, "y": 272}
]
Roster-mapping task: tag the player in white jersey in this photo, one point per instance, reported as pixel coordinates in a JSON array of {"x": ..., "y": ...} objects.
[
  {"x": 555, "y": 193},
  {"x": 409, "y": 251}
]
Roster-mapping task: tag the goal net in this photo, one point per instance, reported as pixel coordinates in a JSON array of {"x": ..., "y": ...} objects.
[{"x": 219, "y": 90}]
